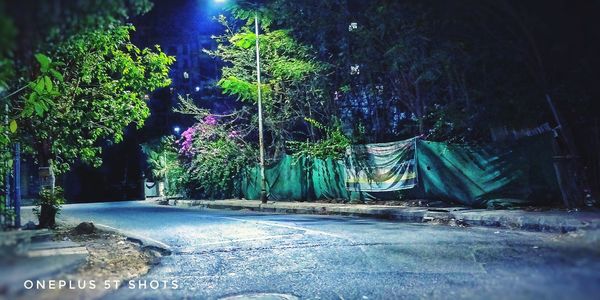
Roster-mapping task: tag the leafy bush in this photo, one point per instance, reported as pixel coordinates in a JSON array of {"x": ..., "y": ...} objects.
[
  {"x": 7, "y": 212},
  {"x": 215, "y": 154},
  {"x": 164, "y": 164},
  {"x": 48, "y": 206},
  {"x": 333, "y": 145},
  {"x": 51, "y": 198},
  {"x": 214, "y": 172}
]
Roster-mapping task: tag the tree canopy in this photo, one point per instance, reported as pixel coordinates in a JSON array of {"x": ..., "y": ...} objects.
[
  {"x": 105, "y": 80},
  {"x": 293, "y": 80},
  {"x": 86, "y": 83}
]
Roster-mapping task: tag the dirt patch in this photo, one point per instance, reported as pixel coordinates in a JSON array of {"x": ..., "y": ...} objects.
[{"x": 112, "y": 259}]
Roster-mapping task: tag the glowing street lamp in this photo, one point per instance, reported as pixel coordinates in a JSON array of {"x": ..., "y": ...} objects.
[{"x": 263, "y": 179}]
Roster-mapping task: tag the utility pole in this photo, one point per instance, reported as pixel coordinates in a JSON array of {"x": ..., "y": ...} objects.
[{"x": 263, "y": 179}]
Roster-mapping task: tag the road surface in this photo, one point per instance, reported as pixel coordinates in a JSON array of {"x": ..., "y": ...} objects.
[{"x": 220, "y": 254}]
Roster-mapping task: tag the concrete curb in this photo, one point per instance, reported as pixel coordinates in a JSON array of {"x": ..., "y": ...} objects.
[
  {"x": 548, "y": 221},
  {"x": 145, "y": 242}
]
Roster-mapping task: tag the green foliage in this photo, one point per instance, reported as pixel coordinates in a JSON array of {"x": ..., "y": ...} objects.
[
  {"x": 80, "y": 16},
  {"x": 214, "y": 171},
  {"x": 101, "y": 91},
  {"x": 50, "y": 197},
  {"x": 293, "y": 85},
  {"x": 7, "y": 38},
  {"x": 285, "y": 64},
  {"x": 85, "y": 84},
  {"x": 13, "y": 126},
  {"x": 159, "y": 164},
  {"x": 163, "y": 161},
  {"x": 293, "y": 88},
  {"x": 7, "y": 212},
  {"x": 244, "y": 40},
  {"x": 214, "y": 152},
  {"x": 7, "y": 72},
  {"x": 481, "y": 62},
  {"x": 244, "y": 90},
  {"x": 332, "y": 145},
  {"x": 246, "y": 10},
  {"x": 449, "y": 123},
  {"x": 43, "y": 89},
  {"x": 61, "y": 104}
]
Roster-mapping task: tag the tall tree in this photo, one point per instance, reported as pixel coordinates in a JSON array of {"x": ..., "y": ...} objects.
[
  {"x": 293, "y": 81},
  {"x": 91, "y": 82},
  {"x": 101, "y": 91}
]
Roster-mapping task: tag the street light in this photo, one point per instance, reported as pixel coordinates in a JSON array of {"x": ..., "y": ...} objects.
[{"x": 263, "y": 179}]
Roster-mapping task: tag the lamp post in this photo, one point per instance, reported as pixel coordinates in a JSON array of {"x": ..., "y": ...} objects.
[
  {"x": 261, "y": 145},
  {"x": 263, "y": 179}
]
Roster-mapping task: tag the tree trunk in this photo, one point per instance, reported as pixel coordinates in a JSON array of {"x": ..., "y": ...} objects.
[
  {"x": 47, "y": 216},
  {"x": 160, "y": 188}
]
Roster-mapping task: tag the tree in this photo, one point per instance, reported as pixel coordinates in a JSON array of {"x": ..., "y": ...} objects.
[
  {"x": 101, "y": 92},
  {"x": 58, "y": 96},
  {"x": 388, "y": 67},
  {"x": 293, "y": 81}
]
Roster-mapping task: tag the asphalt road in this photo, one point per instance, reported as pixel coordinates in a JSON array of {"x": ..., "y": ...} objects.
[{"x": 219, "y": 254}]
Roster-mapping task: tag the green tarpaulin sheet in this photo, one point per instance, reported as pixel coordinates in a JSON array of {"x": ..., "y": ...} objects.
[
  {"x": 478, "y": 176},
  {"x": 381, "y": 167},
  {"x": 488, "y": 175},
  {"x": 298, "y": 179}
]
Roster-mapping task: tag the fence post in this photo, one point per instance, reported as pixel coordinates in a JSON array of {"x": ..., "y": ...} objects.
[
  {"x": 17, "y": 183},
  {"x": 7, "y": 189},
  {"x": 7, "y": 202}
]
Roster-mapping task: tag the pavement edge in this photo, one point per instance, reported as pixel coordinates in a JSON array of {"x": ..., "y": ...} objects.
[
  {"x": 144, "y": 242},
  {"x": 555, "y": 222}
]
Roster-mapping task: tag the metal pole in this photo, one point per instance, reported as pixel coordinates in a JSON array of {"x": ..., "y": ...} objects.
[
  {"x": 263, "y": 180},
  {"x": 166, "y": 184},
  {"x": 17, "y": 185},
  {"x": 7, "y": 202}
]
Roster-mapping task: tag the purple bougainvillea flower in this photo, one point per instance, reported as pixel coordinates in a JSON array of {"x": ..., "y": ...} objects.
[
  {"x": 210, "y": 120},
  {"x": 187, "y": 137},
  {"x": 233, "y": 134}
]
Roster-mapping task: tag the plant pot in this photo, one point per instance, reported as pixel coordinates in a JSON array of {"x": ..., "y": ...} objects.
[{"x": 47, "y": 216}]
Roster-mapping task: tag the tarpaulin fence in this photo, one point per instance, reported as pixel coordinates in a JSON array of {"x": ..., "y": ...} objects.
[
  {"x": 489, "y": 175},
  {"x": 475, "y": 175},
  {"x": 298, "y": 179},
  {"x": 381, "y": 167}
]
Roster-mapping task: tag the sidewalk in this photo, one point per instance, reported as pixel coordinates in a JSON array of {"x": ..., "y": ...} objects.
[
  {"x": 31, "y": 255},
  {"x": 547, "y": 221}
]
